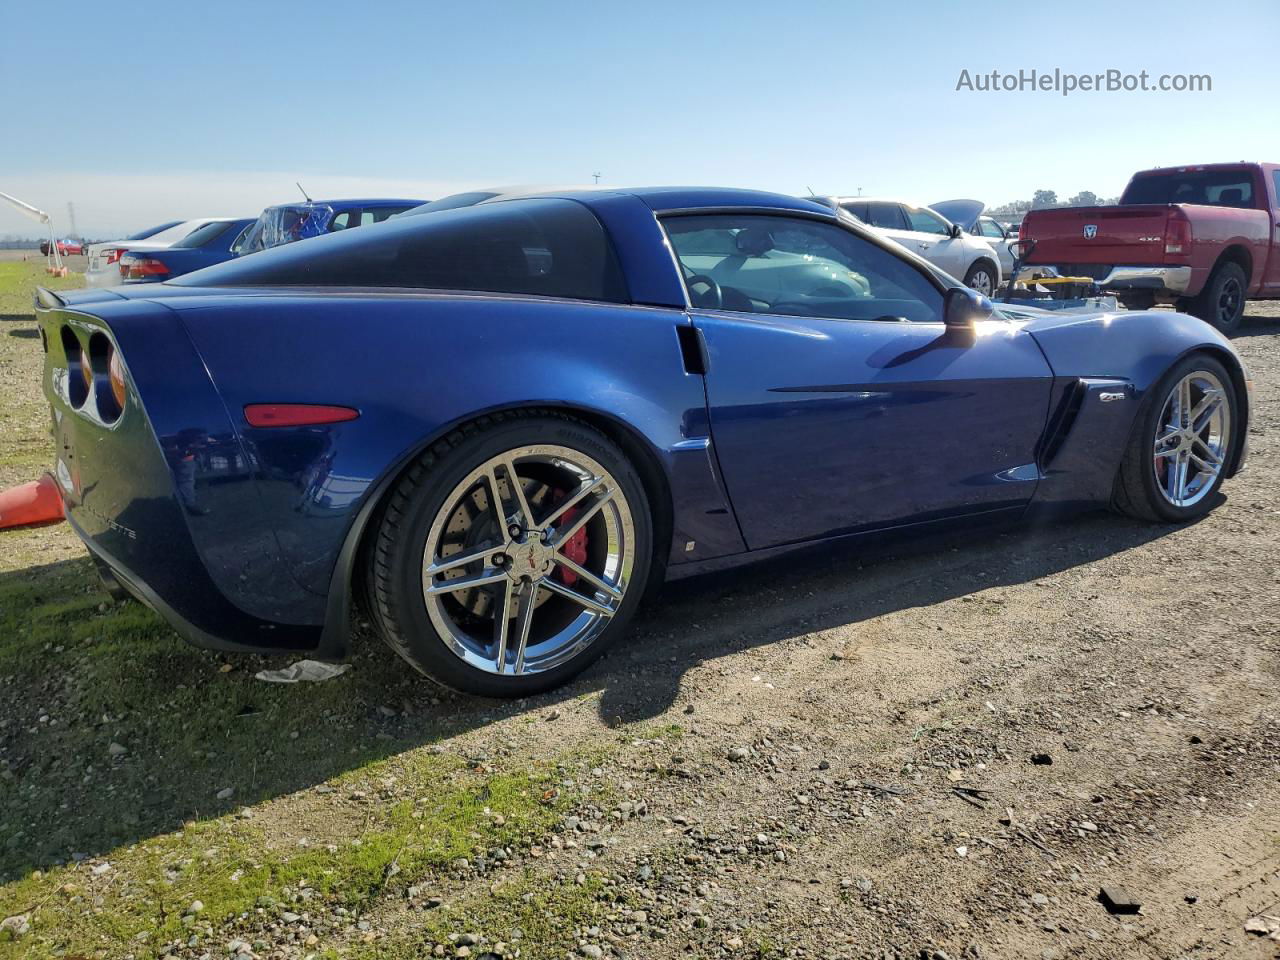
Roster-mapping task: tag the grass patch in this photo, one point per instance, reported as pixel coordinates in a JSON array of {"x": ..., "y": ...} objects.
[
  {"x": 443, "y": 810},
  {"x": 26, "y": 447},
  {"x": 536, "y": 913},
  {"x": 18, "y": 282}
]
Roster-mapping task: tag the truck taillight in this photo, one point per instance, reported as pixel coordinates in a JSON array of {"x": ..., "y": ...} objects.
[
  {"x": 1177, "y": 236},
  {"x": 142, "y": 268}
]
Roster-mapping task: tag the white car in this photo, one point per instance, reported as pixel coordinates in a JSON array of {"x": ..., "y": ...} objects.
[
  {"x": 967, "y": 214},
  {"x": 930, "y": 235},
  {"x": 104, "y": 258}
]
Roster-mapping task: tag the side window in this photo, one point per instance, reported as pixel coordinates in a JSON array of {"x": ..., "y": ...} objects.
[
  {"x": 889, "y": 216},
  {"x": 1275, "y": 176},
  {"x": 991, "y": 229},
  {"x": 752, "y": 263},
  {"x": 859, "y": 210},
  {"x": 926, "y": 221},
  {"x": 341, "y": 221}
]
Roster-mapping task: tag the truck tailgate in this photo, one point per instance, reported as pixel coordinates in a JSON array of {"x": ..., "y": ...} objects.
[{"x": 1088, "y": 236}]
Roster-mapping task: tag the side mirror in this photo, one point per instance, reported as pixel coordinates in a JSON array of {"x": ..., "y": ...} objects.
[
  {"x": 962, "y": 307},
  {"x": 955, "y": 233}
]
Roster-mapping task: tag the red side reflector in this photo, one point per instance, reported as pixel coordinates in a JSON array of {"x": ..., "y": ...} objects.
[{"x": 296, "y": 414}]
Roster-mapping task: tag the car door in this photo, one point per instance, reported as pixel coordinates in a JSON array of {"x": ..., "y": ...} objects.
[
  {"x": 838, "y": 400},
  {"x": 994, "y": 234},
  {"x": 932, "y": 235},
  {"x": 1273, "y": 254}
]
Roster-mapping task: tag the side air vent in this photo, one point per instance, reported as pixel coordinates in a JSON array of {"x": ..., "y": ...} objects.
[
  {"x": 692, "y": 349},
  {"x": 1060, "y": 424}
]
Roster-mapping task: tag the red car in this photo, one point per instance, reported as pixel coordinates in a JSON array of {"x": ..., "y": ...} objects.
[
  {"x": 1203, "y": 238},
  {"x": 66, "y": 248}
]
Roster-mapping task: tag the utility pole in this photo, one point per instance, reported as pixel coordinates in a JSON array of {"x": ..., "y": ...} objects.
[
  {"x": 597, "y": 178},
  {"x": 71, "y": 218}
]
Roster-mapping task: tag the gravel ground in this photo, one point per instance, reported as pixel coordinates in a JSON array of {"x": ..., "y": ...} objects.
[
  {"x": 948, "y": 750},
  {"x": 945, "y": 753}
]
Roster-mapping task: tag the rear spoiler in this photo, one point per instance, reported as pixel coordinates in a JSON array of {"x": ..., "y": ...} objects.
[{"x": 48, "y": 300}]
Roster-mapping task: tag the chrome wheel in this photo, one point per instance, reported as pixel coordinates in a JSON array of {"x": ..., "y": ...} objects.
[
  {"x": 1192, "y": 440},
  {"x": 983, "y": 283},
  {"x": 528, "y": 559}
]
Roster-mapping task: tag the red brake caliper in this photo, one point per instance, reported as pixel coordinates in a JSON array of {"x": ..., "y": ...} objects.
[{"x": 575, "y": 548}]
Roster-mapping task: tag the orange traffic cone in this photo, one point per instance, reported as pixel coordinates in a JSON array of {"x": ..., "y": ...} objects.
[{"x": 31, "y": 504}]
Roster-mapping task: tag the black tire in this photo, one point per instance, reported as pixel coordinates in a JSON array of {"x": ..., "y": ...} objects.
[
  {"x": 982, "y": 268},
  {"x": 1222, "y": 301},
  {"x": 394, "y": 572},
  {"x": 1136, "y": 492}
]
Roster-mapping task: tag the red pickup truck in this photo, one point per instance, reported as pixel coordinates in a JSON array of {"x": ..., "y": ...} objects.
[{"x": 1202, "y": 238}]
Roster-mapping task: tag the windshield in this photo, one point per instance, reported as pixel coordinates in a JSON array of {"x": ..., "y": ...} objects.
[
  {"x": 152, "y": 231},
  {"x": 1214, "y": 188}
]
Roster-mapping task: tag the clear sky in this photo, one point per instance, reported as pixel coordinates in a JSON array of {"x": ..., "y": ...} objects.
[{"x": 180, "y": 109}]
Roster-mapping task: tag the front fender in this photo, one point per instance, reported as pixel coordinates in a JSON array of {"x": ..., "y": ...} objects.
[{"x": 1129, "y": 351}]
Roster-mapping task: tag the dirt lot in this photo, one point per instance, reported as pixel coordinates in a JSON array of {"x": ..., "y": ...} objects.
[{"x": 941, "y": 752}]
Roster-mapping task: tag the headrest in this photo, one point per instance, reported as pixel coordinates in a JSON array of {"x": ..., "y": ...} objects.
[{"x": 754, "y": 241}]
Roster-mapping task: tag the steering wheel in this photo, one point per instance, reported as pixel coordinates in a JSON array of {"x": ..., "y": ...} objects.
[{"x": 714, "y": 297}]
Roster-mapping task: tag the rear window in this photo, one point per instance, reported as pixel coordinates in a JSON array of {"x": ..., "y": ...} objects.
[
  {"x": 152, "y": 231},
  {"x": 554, "y": 248},
  {"x": 206, "y": 234},
  {"x": 1214, "y": 188}
]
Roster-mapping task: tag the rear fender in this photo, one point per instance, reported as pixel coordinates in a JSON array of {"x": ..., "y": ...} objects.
[
  {"x": 418, "y": 366},
  {"x": 162, "y": 492}
]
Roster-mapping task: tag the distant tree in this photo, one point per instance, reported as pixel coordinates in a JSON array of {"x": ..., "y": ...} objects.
[
  {"x": 1044, "y": 198},
  {"x": 1085, "y": 198}
]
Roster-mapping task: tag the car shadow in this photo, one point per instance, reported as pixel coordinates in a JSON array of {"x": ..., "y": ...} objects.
[
  {"x": 189, "y": 724},
  {"x": 1256, "y": 324}
]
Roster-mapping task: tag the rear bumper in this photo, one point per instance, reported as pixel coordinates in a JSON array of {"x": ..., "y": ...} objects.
[
  {"x": 110, "y": 277},
  {"x": 1158, "y": 279}
]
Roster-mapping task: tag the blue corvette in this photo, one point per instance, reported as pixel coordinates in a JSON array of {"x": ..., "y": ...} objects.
[{"x": 498, "y": 426}]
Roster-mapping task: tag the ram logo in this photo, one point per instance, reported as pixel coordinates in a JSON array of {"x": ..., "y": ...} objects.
[{"x": 1090, "y": 231}]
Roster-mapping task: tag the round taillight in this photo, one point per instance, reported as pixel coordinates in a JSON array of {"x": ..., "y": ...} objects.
[
  {"x": 86, "y": 372},
  {"x": 115, "y": 372}
]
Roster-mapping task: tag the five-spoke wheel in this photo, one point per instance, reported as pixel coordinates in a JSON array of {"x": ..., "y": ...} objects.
[
  {"x": 1191, "y": 446},
  {"x": 529, "y": 559},
  {"x": 527, "y": 542},
  {"x": 1182, "y": 444}
]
